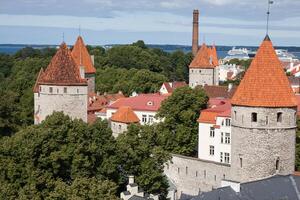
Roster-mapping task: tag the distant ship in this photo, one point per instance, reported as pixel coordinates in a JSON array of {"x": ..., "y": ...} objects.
[{"x": 244, "y": 53}]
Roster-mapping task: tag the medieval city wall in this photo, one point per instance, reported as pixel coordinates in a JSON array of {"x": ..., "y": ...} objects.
[
  {"x": 192, "y": 175},
  {"x": 72, "y": 101}
]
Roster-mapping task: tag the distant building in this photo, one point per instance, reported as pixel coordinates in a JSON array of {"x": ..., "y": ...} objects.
[
  {"x": 169, "y": 87},
  {"x": 228, "y": 72},
  {"x": 203, "y": 70},
  {"x": 217, "y": 91},
  {"x": 121, "y": 119},
  {"x": 60, "y": 88},
  {"x": 145, "y": 106},
  {"x": 85, "y": 63}
]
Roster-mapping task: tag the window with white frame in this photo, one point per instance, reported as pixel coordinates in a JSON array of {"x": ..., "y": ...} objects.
[
  {"x": 226, "y": 157},
  {"x": 211, "y": 150},
  {"x": 221, "y": 157},
  {"x": 227, "y": 138},
  {"x": 151, "y": 117},
  {"x": 227, "y": 122},
  {"x": 212, "y": 132},
  {"x": 144, "y": 118}
]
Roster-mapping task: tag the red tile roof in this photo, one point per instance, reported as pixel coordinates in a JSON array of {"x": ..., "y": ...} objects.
[
  {"x": 82, "y": 56},
  {"x": 265, "y": 83},
  {"x": 98, "y": 102},
  {"x": 214, "y": 91},
  {"x": 222, "y": 109},
  {"x": 62, "y": 70},
  {"x": 142, "y": 102},
  {"x": 171, "y": 86},
  {"x": 125, "y": 114},
  {"x": 206, "y": 58}
]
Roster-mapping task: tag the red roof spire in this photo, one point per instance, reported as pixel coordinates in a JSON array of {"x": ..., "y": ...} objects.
[
  {"x": 265, "y": 83},
  {"x": 62, "y": 69},
  {"x": 82, "y": 56},
  {"x": 204, "y": 58},
  {"x": 126, "y": 115}
]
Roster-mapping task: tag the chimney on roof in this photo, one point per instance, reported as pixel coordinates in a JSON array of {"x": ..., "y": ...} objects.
[
  {"x": 130, "y": 179},
  {"x": 195, "y": 41}
]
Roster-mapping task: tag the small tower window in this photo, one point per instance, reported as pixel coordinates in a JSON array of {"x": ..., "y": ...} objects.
[
  {"x": 65, "y": 90},
  {"x": 241, "y": 162},
  {"x": 235, "y": 115},
  {"x": 196, "y": 173},
  {"x": 267, "y": 120},
  {"x": 77, "y": 91},
  {"x": 50, "y": 89},
  {"x": 279, "y": 117},
  {"x": 254, "y": 117},
  {"x": 204, "y": 174},
  {"x": 178, "y": 170},
  {"x": 277, "y": 164},
  {"x": 186, "y": 170}
]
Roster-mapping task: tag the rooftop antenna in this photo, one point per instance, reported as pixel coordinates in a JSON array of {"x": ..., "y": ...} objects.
[{"x": 268, "y": 15}]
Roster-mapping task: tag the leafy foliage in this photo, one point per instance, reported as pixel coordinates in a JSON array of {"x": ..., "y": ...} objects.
[{"x": 180, "y": 112}]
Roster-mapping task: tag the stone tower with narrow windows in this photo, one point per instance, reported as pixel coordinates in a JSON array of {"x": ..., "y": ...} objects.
[
  {"x": 60, "y": 88},
  {"x": 203, "y": 70},
  {"x": 263, "y": 120}
]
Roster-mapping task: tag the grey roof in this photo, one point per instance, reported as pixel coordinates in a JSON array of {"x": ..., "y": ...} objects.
[
  {"x": 274, "y": 188},
  {"x": 134, "y": 197}
]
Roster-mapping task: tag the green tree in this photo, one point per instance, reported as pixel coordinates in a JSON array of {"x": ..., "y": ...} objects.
[{"x": 180, "y": 111}]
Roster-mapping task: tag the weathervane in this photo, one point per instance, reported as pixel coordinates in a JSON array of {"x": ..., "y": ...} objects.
[{"x": 268, "y": 14}]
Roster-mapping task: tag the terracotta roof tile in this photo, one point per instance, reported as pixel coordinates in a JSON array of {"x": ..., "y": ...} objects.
[
  {"x": 210, "y": 115},
  {"x": 171, "y": 86},
  {"x": 214, "y": 91},
  {"x": 205, "y": 58},
  {"x": 98, "y": 102},
  {"x": 142, "y": 102},
  {"x": 126, "y": 115},
  {"x": 82, "y": 56},
  {"x": 265, "y": 83},
  {"x": 62, "y": 70}
]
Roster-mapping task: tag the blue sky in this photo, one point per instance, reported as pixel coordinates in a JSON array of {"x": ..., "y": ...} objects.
[{"x": 223, "y": 22}]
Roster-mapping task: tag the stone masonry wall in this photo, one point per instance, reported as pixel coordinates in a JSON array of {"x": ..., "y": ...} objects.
[
  {"x": 91, "y": 82},
  {"x": 201, "y": 77},
  {"x": 72, "y": 103},
  {"x": 256, "y": 146},
  {"x": 192, "y": 175}
]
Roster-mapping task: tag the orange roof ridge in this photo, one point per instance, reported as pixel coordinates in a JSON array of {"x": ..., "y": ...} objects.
[
  {"x": 62, "y": 70},
  {"x": 36, "y": 85},
  {"x": 203, "y": 58},
  {"x": 265, "y": 83},
  {"x": 126, "y": 115},
  {"x": 82, "y": 56}
]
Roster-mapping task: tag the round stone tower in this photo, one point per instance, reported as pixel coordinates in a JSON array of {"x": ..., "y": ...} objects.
[{"x": 264, "y": 116}]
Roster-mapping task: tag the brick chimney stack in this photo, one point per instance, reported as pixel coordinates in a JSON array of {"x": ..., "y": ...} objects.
[{"x": 195, "y": 42}]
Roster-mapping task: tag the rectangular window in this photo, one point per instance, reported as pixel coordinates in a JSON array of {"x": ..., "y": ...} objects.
[
  {"x": 151, "y": 117},
  {"x": 228, "y": 122},
  {"x": 226, "y": 157},
  {"x": 65, "y": 90},
  {"x": 227, "y": 138},
  {"x": 211, "y": 150},
  {"x": 212, "y": 132},
  {"x": 254, "y": 117},
  {"x": 50, "y": 89},
  {"x": 221, "y": 157},
  {"x": 144, "y": 118},
  {"x": 222, "y": 137},
  {"x": 279, "y": 117}
]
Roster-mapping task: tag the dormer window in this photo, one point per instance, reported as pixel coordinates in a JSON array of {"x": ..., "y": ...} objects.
[{"x": 150, "y": 103}]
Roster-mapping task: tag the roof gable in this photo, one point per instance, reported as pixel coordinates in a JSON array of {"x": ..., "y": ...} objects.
[
  {"x": 204, "y": 58},
  {"x": 265, "y": 83},
  {"x": 82, "y": 56}
]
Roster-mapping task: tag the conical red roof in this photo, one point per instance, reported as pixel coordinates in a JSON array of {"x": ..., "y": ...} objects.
[
  {"x": 204, "y": 59},
  {"x": 62, "y": 70},
  {"x": 126, "y": 115},
  {"x": 82, "y": 56},
  {"x": 265, "y": 83}
]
